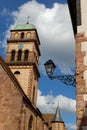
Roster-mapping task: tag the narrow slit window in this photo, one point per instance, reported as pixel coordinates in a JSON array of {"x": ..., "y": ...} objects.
[
  {"x": 33, "y": 98},
  {"x": 13, "y": 55},
  {"x": 26, "y": 53},
  {"x": 19, "y": 55},
  {"x": 22, "y": 35}
]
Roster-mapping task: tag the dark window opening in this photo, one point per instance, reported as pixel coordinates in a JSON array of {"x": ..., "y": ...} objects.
[
  {"x": 33, "y": 95},
  {"x": 26, "y": 55},
  {"x": 19, "y": 55},
  {"x": 16, "y": 72},
  {"x": 30, "y": 124},
  {"x": 13, "y": 55},
  {"x": 22, "y": 35}
]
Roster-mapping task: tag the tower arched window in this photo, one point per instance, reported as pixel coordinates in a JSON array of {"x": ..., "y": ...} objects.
[
  {"x": 26, "y": 53},
  {"x": 28, "y": 35},
  {"x": 22, "y": 35},
  {"x": 13, "y": 55},
  {"x": 16, "y": 35},
  {"x": 19, "y": 55},
  {"x": 30, "y": 124}
]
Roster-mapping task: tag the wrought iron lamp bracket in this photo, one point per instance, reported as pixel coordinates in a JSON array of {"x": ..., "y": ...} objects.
[{"x": 66, "y": 79}]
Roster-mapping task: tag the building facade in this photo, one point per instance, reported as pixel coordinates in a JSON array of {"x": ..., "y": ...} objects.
[
  {"x": 79, "y": 22},
  {"x": 19, "y": 84}
]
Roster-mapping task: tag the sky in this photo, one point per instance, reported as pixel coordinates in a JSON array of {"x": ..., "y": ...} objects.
[{"x": 52, "y": 20}]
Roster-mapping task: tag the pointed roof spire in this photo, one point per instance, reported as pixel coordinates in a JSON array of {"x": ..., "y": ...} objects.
[
  {"x": 28, "y": 19},
  {"x": 57, "y": 116}
]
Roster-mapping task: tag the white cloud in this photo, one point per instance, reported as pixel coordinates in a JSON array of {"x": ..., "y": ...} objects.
[
  {"x": 57, "y": 43},
  {"x": 6, "y": 34},
  {"x": 48, "y": 103},
  {"x": 71, "y": 126},
  {"x": 54, "y": 29}
]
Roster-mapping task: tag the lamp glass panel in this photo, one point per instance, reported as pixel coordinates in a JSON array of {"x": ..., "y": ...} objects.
[{"x": 52, "y": 69}]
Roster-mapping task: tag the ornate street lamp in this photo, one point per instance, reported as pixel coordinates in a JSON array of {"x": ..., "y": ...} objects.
[{"x": 66, "y": 79}]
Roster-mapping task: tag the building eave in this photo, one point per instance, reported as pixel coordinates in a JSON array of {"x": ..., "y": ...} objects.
[{"x": 72, "y": 10}]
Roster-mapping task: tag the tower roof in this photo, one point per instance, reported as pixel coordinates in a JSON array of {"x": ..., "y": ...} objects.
[
  {"x": 57, "y": 116},
  {"x": 24, "y": 27}
]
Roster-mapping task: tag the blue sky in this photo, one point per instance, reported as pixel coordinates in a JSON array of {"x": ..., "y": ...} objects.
[{"x": 54, "y": 28}]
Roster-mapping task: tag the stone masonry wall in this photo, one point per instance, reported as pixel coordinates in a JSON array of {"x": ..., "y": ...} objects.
[
  {"x": 81, "y": 85},
  {"x": 10, "y": 103},
  {"x": 58, "y": 126},
  {"x": 40, "y": 124}
]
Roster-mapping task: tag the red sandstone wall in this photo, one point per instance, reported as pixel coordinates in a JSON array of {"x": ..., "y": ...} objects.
[
  {"x": 40, "y": 124},
  {"x": 81, "y": 88},
  {"x": 46, "y": 127},
  {"x": 10, "y": 103}
]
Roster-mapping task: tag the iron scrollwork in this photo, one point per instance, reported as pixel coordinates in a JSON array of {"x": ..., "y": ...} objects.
[{"x": 66, "y": 79}]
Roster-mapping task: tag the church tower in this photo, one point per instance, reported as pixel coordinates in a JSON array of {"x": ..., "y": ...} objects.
[
  {"x": 57, "y": 122},
  {"x": 22, "y": 56}
]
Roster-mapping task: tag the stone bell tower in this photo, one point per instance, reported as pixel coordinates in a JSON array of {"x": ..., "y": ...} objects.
[{"x": 22, "y": 56}]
